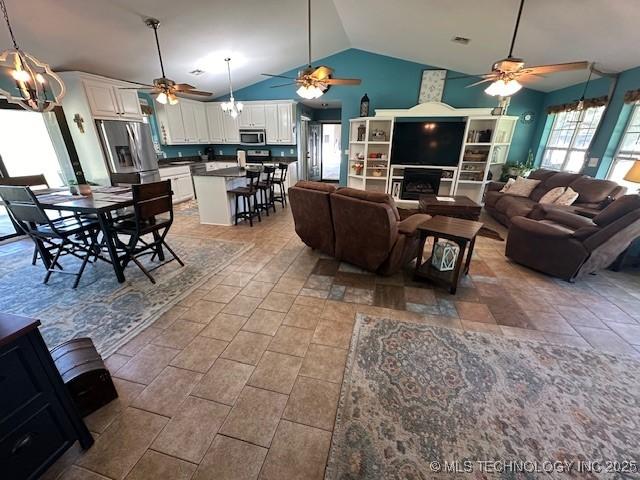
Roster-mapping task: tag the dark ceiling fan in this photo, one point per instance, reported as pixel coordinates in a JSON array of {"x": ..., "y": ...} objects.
[
  {"x": 313, "y": 81},
  {"x": 166, "y": 89},
  {"x": 506, "y": 73}
]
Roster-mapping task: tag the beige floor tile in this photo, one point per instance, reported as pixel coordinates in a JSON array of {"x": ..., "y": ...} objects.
[
  {"x": 339, "y": 312},
  {"x": 167, "y": 318},
  {"x": 606, "y": 341},
  {"x": 237, "y": 279},
  {"x": 224, "y": 327},
  {"x": 280, "y": 302},
  {"x": 169, "y": 389},
  {"x": 629, "y": 332},
  {"x": 567, "y": 340},
  {"x": 255, "y": 416},
  {"x": 264, "y": 321},
  {"x": 231, "y": 459},
  {"x": 242, "y": 305},
  {"x": 224, "y": 381},
  {"x": 128, "y": 391},
  {"x": 303, "y": 316},
  {"x": 269, "y": 276},
  {"x": 324, "y": 362},
  {"x": 156, "y": 466},
  {"x": 178, "y": 335},
  {"x": 200, "y": 354},
  {"x": 257, "y": 289},
  {"x": 222, "y": 293},
  {"x": 247, "y": 347},
  {"x": 192, "y": 298},
  {"x": 78, "y": 473},
  {"x": 549, "y": 322},
  {"x": 289, "y": 285},
  {"x": 276, "y": 372},
  {"x": 298, "y": 452},
  {"x": 189, "y": 433},
  {"x": 291, "y": 341},
  {"x": 313, "y": 402},
  {"x": 333, "y": 334},
  {"x": 123, "y": 443},
  {"x": 202, "y": 311},
  {"x": 115, "y": 361},
  {"x": 147, "y": 364},
  {"x": 474, "y": 312},
  {"x": 138, "y": 342},
  {"x": 522, "y": 333},
  {"x": 481, "y": 327},
  {"x": 580, "y": 316}
]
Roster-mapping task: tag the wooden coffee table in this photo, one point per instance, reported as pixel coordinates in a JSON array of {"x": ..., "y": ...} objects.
[
  {"x": 460, "y": 231},
  {"x": 461, "y": 207}
]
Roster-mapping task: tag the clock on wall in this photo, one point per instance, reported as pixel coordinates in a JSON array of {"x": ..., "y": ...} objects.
[{"x": 527, "y": 117}]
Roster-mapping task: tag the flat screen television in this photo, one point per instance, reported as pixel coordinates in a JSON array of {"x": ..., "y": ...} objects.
[{"x": 427, "y": 143}]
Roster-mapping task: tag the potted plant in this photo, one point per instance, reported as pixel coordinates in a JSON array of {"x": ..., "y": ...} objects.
[{"x": 518, "y": 169}]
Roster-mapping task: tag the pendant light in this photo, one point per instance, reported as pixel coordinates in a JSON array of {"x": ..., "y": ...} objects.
[
  {"x": 30, "y": 83},
  {"x": 580, "y": 105},
  {"x": 231, "y": 107}
]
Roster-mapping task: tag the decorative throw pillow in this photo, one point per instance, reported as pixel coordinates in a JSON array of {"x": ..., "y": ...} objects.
[
  {"x": 507, "y": 185},
  {"x": 567, "y": 198},
  {"x": 552, "y": 195},
  {"x": 523, "y": 187}
]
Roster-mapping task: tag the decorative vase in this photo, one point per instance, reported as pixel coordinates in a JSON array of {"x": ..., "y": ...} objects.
[
  {"x": 364, "y": 106},
  {"x": 362, "y": 130}
]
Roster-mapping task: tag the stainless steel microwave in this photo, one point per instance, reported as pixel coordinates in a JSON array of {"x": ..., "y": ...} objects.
[{"x": 253, "y": 136}]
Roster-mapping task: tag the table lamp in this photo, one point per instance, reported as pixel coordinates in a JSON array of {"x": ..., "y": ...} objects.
[{"x": 633, "y": 175}]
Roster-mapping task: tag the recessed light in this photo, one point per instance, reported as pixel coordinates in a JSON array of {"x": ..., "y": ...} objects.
[
  {"x": 461, "y": 40},
  {"x": 197, "y": 72}
]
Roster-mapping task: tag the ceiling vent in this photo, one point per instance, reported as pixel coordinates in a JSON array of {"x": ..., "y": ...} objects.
[
  {"x": 197, "y": 72},
  {"x": 461, "y": 40}
]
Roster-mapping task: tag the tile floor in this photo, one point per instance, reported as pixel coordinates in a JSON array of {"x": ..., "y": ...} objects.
[{"x": 241, "y": 379}]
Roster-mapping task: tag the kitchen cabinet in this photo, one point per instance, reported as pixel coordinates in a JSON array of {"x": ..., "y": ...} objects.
[
  {"x": 107, "y": 100},
  {"x": 252, "y": 116},
  {"x": 189, "y": 122},
  {"x": 214, "y": 122},
  {"x": 200, "y": 116},
  {"x": 279, "y": 124},
  {"x": 183, "y": 123},
  {"x": 231, "y": 128},
  {"x": 172, "y": 130},
  {"x": 181, "y": 183}
]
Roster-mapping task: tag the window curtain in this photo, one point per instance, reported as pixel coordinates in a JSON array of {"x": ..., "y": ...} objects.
[
  {"x": 570, "y": 107},
  {"x": 632, "y": 96}
]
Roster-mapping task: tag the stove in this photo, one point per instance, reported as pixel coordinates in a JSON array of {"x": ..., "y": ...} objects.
[{"x": 258, "y": 156}]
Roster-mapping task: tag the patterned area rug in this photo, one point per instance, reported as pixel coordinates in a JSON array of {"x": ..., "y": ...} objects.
[
  {"x": 415, "y": 397},
  {"x": 100, "y": 307}
]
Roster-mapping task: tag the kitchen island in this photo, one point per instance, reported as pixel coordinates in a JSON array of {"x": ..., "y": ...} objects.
[{"x": 216, "y": 205}]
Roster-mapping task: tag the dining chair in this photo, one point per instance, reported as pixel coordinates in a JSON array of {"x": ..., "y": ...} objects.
[
  {"x": 149, "y": 226},
  {"x": 60, "y": 236}
]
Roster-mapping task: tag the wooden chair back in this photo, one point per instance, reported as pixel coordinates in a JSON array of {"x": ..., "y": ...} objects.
[
  {"x": 151, "y": 199},
  {"x": 253, "y": 177},
  {"x": 23, "y": 206},
  {"x": 26, "y": 181},
  {"x": 118, "y": 179},
  {"x": 269, "y": 172},
  {"x": 284, "y": 169}
]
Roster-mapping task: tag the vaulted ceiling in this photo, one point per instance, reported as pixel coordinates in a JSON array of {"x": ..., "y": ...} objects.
[{"x": 108, "y": 37}]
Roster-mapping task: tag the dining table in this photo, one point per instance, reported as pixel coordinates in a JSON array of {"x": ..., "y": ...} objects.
[{"x": 102, "y": 203}]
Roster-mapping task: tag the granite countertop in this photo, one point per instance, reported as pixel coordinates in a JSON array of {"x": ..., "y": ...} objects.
[{"x": 231, "y": 172}]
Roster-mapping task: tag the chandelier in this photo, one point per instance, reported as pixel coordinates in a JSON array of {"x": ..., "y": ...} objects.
[
  {"x": 231, "y": 107},
  {"x": 30, "y": 83}
]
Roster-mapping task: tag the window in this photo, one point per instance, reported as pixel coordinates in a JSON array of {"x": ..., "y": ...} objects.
[
  {"x": 570, "y": 137},
  {"x": 628, "y": 151}
]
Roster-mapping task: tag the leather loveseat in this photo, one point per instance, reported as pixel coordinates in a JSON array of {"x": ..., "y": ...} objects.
[
  {"x": 594, "y": 195},
  {"x": 568, "y": 245},
  {"x": 355, "y": 226}
]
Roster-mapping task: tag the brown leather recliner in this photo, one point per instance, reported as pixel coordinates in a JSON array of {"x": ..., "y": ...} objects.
[
  {"x": 311, "y": 209},
  {"x": 567, "y": 245},
  {"x": 366, "y": 229}
]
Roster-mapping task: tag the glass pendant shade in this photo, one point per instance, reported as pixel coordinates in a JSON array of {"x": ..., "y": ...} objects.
[
  {"x": 29, "y": 83},
  {"x": 310, "y": 92},
  {"x": 231, "y": 107},
  {"x": 502, "y": 88}
]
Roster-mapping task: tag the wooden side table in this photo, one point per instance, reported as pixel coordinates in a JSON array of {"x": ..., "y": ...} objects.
[
  {"x": 461, "y": 207},
  {"x": 460, "y": 231}
]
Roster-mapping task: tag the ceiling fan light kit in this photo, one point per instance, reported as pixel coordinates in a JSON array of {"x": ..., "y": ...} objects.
[
  {"x": 37, "y": 87},
  {"x": 503, "y": 88},
  {"x": 310, "y": 92}
]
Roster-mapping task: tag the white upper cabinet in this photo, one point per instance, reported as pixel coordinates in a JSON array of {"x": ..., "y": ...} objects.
[
  {"x": 279, "y": 123},
  {"x": 172, "y": 128},
  {"x": 185, "y": 122},
  {"x": 215, "y": 122},
  {"x": 231, "y": 128},
  {"x": 189, "y": 121},
  {"x": 200, "y": 115},
  {"x": 271, "y": 123},
  {"x": 252, "y": 116},
  {"x": 107, "y": 100}
]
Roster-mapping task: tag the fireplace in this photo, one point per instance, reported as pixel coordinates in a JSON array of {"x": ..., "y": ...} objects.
[{"x": 420, "y": 181}]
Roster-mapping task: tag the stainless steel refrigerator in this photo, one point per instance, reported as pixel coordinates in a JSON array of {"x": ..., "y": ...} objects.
[{"x": 128, "y": 148}]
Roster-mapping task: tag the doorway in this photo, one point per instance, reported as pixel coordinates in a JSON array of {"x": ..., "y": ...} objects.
[
  {"x": 30, "y": 144},
  {"x": 331, "y": 148}
]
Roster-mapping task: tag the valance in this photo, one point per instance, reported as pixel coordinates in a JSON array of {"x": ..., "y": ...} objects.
[
  {"x": 572, "y": 106},
  {"x": 632, "y": 96}
]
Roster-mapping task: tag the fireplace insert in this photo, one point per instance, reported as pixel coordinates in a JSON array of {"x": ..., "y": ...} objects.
[{"x": 420, "y": 181}]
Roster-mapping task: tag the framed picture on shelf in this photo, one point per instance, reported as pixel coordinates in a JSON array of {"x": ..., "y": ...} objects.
[
  {"x": 432, "y": 86},
  {"x": 396, "y": 187}
]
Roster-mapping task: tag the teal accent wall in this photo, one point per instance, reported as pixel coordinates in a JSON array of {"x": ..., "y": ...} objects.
[
  {"x": 394, "y": 83},
  {"x": 612, "y": 125},
  {"x": 327, "y": 114}
]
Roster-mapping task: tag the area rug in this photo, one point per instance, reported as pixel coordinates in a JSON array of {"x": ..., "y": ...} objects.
[
  {"x": 101, "y": 308},
  {"x": 423, "y": 402}
]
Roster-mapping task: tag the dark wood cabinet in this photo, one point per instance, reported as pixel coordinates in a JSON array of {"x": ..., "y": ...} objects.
[{"x": 38, "y": 421}]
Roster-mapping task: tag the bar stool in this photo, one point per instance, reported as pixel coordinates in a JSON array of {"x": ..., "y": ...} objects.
[
  {"x": 266, "y": 190},
  {"x": 248, "y": 192},
  {"x": 280, "y": 180}
]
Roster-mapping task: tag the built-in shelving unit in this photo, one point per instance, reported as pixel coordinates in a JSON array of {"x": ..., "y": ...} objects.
[{"x": 369, "y": 153}]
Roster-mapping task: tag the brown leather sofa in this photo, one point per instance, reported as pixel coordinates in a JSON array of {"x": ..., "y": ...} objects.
[
  {"x": 365, "y": 226},
  {"x": 568, "y": 245},
  {"x": 594, "y": 194}
]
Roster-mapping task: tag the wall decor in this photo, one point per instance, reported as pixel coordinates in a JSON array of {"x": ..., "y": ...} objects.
[
  {"x": 527, "y": 117},
  {"x": 432, "y": 86},
  {"x": 364, "y": 106}
]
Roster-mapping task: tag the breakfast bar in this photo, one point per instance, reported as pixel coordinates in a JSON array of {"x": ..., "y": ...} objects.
[{"x": 215, "y": 204}]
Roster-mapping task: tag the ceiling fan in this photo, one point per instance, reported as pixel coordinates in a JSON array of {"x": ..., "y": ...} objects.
[
  {"x": 313, "y": 81},
  {"x": 166, "y": 89},
  {"x": 507, "y": 73}
]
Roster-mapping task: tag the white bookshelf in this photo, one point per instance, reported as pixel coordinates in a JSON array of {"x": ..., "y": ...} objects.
[{"x": 369, "y": 153}]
